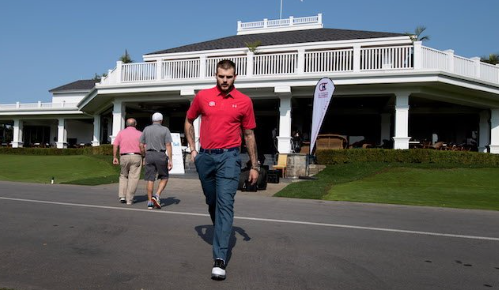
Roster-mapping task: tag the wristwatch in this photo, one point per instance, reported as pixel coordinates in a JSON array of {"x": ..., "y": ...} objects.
[{"x": 257, "y": 168}]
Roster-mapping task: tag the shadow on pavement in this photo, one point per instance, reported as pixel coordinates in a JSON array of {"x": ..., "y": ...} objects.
[{"x": 206, "y": 233}]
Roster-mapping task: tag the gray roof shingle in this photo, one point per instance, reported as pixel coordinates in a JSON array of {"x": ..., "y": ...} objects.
[
  {"x": 279, "y": 38},
  {"x": 81, "y": 85}
]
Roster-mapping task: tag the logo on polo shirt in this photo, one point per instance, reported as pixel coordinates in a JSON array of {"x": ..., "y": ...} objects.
[
  {"x": 212, "y": 104},
  {"x": 234, "y": 105}
]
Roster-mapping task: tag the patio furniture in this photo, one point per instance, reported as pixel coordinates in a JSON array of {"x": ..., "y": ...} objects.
[
  {"x": 282, "y": 162},
  {"x": 331, "y": 141}
]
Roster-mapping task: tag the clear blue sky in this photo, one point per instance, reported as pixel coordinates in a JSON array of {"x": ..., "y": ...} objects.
[{"x": 49, "y": 43}]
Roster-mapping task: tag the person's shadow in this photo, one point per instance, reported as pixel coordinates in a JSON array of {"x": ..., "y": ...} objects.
[
  {"x": 206, "y": 233},
  {"x": 163, "y": 201}
]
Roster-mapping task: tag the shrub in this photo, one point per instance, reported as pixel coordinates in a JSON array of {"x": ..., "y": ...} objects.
[
  {"x": 328, "y": 157},
  {"x": 98, "y": 150}
]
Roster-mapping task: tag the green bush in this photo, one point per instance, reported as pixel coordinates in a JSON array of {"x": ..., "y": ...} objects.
[
  {"x": 328, "y": 157},
  {"x": 98, "y": 150}
]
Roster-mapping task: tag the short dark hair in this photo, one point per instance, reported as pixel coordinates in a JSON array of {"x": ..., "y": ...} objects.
[{"x": 226, "y": 64}]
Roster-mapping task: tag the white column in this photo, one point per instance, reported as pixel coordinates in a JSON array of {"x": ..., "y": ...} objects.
[
  {"x": 119, "y": 71},
  {"x": 418, "y": 56},
  {"x": 484, "y": 131},
  {"x": 356, "y": 58},
  {"x": 53, "y": 134},
  {"x": 284, "y": 138},
  {"x": 159, "y": 68},
  {"x": 401, "y": 139},
  {"x": 118, "y": 118},
  {"x": 477, "y": 62},
  {"x": 494, "y": 131},
  {"x": 385, "y": 127},
  {"x": 202, "y": 66},
  {"x": 301, "y": 62},
  {"x": 96, "y": 136},
  {"x": 450, "y": 59},
  {"x": 249, "y": 63},
  {"x": 17, "y": 134},
  {"x": 61, "y": 134}
]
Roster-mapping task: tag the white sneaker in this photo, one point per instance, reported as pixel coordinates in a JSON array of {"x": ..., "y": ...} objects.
[{"x": 218, "y": 271}]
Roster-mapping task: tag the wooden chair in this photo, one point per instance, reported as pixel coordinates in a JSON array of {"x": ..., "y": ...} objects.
[{"x": 282, "y": 162}]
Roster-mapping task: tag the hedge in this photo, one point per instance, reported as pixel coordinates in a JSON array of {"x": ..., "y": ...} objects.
[
  {"x": 98, "y": 150},
  {"x": 328, "y": 157}
]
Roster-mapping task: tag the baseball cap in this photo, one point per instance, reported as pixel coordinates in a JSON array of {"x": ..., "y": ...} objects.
[{"x": 157, "y": 117}]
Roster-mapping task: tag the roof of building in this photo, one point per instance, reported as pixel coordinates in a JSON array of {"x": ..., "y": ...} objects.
[
  {"x": 81, "y": 85},
  {"x": 280, "y": 38}
]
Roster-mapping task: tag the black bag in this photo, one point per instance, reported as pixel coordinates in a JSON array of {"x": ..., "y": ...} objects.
[
  {"x": 250, "y": 187},
  {"x": 273, "y": 176}
]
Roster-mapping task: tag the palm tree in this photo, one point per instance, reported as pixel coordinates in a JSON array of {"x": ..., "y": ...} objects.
[
  {"x": 493, "y": 58},
  {"x": 125, "y": 58},
  {"x": 416, "y": 36}
]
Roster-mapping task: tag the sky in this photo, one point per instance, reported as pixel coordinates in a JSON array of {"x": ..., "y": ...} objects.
[{"x": 48, "y": 43}]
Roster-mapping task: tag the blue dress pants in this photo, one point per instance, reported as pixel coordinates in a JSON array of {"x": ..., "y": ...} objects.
[{"x": 219, "y": 176}]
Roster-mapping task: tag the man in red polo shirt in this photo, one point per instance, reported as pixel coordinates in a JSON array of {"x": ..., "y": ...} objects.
[{"x": 226, "y": 114}]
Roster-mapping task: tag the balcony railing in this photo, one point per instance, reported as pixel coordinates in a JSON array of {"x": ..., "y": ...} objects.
[
  {"x": 39, "y": 106},
  {"x": 244, "y": 27},
  {"x": 354, "y": 60}
]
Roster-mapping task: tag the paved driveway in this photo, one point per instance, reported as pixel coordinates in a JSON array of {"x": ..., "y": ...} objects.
[{"x": 76, "y": 237}]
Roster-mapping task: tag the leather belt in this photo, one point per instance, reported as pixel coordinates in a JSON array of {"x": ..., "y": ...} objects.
[
  {"x": 218, "y": 151},
  {"x": 131, "y": 153}
]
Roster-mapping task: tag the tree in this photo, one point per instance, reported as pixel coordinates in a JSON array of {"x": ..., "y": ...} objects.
[
  {"x": 492, "y": 59},
  {"x": 253, "y": 46},
  {"x": 98, "y": 77},
  {"x": 416, "y": 36},
  {"x": 125, "y": 58}
]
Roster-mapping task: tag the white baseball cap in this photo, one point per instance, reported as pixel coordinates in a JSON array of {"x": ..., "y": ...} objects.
[{"x": 157, "y": 117}]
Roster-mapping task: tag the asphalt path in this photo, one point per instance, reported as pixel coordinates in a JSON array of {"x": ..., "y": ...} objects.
[{"x": 78, "y": 237}]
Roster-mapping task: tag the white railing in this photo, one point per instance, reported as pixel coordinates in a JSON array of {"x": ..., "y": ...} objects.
[
  {"x": 434, "y": 59},
  {"x": 270, "y": 64},
  {"x": 38, "y": 106},
  {"x": 464, "y": 66},
  {"x": 111, "y": 78},
  {"x": 399, "y": 57},
  {"x": 346, "y": 60},
  {"x": 180, "y": 69},
  {"x": 8, "y": 106},
  {"x": 243, "y": 27},
  {"x": 278, "y": 22},
  {"x": 306, "y": 20},
  {"x": 137, "y": 72},
  {"x": 240, "y": 61},
  {"x": 489, "y": 72},
  {"x": 329, "y": 61}
]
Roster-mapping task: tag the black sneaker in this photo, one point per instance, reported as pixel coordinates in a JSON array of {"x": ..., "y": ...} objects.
[{"x": 218, "y": 271}]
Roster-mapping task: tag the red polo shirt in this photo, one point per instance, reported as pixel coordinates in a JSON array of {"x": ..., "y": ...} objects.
[{"x": 222, "y": 117}]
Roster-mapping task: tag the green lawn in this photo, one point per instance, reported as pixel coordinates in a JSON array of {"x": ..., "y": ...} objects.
[
  {"x": 75, "y": 169},
  {"x": 455, "y": 186},
  {"x": 409, "y": 184}
]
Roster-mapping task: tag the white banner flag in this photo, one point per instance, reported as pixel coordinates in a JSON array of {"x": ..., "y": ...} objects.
[{"x": 322, "y": 96}]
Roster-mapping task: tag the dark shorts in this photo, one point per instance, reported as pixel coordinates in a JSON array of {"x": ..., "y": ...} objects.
[{"x": 156, "y": 164}]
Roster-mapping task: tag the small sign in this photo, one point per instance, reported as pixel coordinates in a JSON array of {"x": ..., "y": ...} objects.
[{"x": 178, "y": 158}]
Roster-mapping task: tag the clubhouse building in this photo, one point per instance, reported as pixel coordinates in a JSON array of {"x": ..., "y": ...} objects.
[{"x": 390, "y": 89}]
